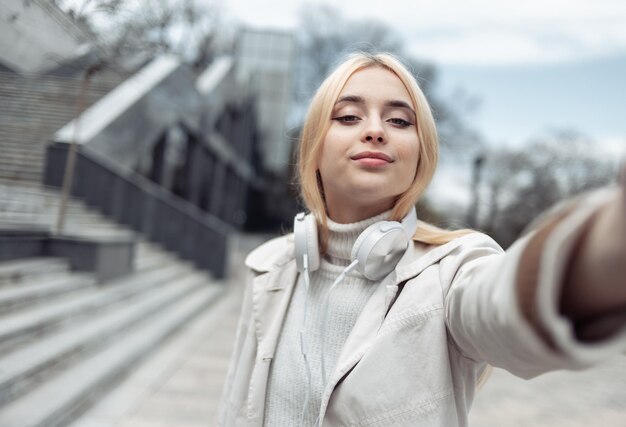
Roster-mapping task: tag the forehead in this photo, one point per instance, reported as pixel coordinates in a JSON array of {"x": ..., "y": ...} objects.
[{"x": 376, "y": 82}]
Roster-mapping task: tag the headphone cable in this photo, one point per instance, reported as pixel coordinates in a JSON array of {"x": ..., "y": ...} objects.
[
  {"x": 303, "y": 345},
  {"x": 325, "y": 317}
]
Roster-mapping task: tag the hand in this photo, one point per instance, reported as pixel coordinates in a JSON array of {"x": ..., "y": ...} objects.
[{"x": 595, "y": 287}]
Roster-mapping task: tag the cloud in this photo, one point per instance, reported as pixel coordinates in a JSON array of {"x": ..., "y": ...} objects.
[
  {"x": 502, "y": 33},
  {"x": 494, "y": 32},
  {"x": 486, "y": 48}
]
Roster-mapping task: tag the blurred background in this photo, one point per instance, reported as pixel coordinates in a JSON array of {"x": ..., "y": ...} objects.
[{"x": 146, "y": 146}]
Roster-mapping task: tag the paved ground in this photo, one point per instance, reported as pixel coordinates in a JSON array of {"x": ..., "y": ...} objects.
[
  {"x": 592, "y": 398},
  {"x": 180, "y": 386}
]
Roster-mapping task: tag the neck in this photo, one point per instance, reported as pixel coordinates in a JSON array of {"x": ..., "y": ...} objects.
[
  {"x": 341, "y": 238},
  {"x": 349, "y": 212}
]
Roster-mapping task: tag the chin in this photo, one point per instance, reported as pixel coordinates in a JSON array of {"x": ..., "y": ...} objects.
[{"x": 370, "y": 194}]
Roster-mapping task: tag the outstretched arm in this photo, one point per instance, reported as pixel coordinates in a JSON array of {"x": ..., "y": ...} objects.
[
  {"x": 593, "y": 293},
  {"x": 555, "y": 300}
]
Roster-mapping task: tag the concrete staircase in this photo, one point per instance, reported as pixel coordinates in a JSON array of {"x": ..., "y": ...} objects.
[
  {"x": 31, "y": 110},
  {"x": 65, "y": 340}
]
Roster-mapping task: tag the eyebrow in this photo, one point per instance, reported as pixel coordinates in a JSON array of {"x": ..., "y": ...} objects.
[{"x": 391, "y": 103}]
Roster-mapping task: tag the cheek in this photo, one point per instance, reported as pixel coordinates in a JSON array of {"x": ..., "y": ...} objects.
[
  {"x": 333, "y": 149},
  {"x": 327, "y": 159},
  {"x": 409, "y": 156}
]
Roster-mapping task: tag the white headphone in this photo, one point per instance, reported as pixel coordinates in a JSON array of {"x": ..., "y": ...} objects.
[
  {"x": 376, "y": 251},
  {"x": 375, "y": 254}
]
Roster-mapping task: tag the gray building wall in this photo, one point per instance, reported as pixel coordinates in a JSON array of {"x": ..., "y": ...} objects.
[
  {"x": 265, "y": 62},
  {"x": 36, "y": 36}
]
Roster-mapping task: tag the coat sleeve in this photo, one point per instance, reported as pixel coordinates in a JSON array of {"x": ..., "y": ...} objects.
[{"x": 494, "y": 316}]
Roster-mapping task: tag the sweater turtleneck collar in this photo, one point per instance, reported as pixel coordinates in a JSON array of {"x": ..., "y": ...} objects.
[{"x": 341, "y": 238}]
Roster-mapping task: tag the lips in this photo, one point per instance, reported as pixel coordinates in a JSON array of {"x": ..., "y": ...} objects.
[{"x": 372, "y": 155}]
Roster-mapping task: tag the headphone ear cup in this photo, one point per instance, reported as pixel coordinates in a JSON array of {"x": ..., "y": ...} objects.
[
  {"x": 379, "y": 249},
  {"x": 305, "y": 241}
]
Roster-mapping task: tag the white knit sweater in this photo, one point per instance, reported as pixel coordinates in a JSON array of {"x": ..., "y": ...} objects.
[{"x": 288, "y": 385}]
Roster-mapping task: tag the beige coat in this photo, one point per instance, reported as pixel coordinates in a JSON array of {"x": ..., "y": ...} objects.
[{"x": 423, "y": 338}]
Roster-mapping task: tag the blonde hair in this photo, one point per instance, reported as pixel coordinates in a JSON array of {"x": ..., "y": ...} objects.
[{"x": 316, "y": 126}]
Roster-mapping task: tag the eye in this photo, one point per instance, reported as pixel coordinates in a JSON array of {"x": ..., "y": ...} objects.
[
  {"x": 399, "y": 122},
  {"x": 346, "y": 119}
]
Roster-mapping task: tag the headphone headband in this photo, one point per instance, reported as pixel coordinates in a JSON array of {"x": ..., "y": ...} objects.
[{"x": 377, "y": 249}]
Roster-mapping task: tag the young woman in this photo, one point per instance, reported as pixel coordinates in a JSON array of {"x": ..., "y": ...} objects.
[{"x": 366, "y": 316}]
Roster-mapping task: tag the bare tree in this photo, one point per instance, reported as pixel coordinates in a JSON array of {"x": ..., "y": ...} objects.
[
  {"x": 521, "y": 183},
  {"x": 325, "y": 36},
  {"x": 193, "y": 29}
]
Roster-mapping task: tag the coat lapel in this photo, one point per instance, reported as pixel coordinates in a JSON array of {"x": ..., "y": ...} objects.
[
  {"x": 270, "y": 297},
  {"x": 271, "y": 293}
]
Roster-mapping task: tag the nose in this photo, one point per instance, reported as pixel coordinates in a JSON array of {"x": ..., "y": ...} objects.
[
  {"x": 374, "y": 132},
  {"x": 370, "y": 138}
]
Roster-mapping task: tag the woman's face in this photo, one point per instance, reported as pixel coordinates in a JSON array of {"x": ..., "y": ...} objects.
[{"x": 370, "y": 153}]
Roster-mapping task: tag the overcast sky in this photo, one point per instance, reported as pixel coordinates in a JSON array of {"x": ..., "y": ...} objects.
[
  {"x": 479, "y": 31},
  {"x": 536, "y": 65}
]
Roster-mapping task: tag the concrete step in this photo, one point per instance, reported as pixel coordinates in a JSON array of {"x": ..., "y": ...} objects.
[
  {"x": 46, "y": 85},
  {"x": 14, "y": 271},
  {"x": 26, "y": 111},
  {"x": 40, "y": 289},
  {"x": 23, "y": 368},
  {"x": 9, "y": 133},
  {"x": 181, "y": 384},
  {"x": 24, "y": 325},
  {"x": 19, "y": 165},
  {"x": 11, "y": 162},
  {"x": 58, "y": 401},
  {"x": 56, "y": 357},
  {"x": 29, "y": 151},
  {"x": 72, "y": 230},
  {"x": 21, "y": 206},
  {"x": 151, "y": 260},
  {"x": 51, "y": 219},
  {"x": 14, "y": 162},
  {"x": 150, "y": 248},
  {"x": 37, "y": 195},
  {"x": 21, "y": 155},
  {"x": 17, "y": 152},
  {"x": 46, "y": 99},
  {"x": 10, "y": 153},
  {"x": 35, "y": 157},
  {"x": 49, "y": 211},
  {"x": 40, "y": 192},
  {"x": 61, "y": 84},
  {"x": 18, "y": 176},
  {"x": 9, "y": 203},
  {"x": 17, "y": 172},
  {"x": 25, "y": 184}
]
